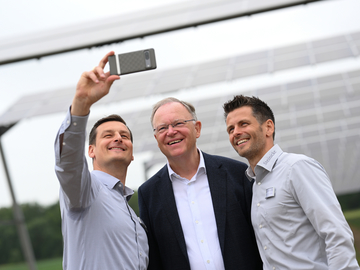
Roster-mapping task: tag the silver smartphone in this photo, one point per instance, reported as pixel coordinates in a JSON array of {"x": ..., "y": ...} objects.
[{"x": 132, "y": 62}]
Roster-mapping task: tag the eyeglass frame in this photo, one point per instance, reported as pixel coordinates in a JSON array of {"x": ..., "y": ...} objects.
[{"x": 166, "y": 126}]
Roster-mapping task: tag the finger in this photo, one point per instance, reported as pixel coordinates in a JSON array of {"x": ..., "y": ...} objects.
[
  {"x": 99, "y": 71},
  {"x": 104, "y": 60},
  {"x": 92, "y": 76}
]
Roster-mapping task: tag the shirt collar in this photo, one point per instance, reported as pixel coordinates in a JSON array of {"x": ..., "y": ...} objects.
[
  {"x": 110, "y": 182},
  {"x": 201, "y": 167},
  {"x": 266, "y": 163}
]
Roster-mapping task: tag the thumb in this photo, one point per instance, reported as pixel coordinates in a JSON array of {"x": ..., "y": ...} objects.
[{"x": 110, "y": 80}]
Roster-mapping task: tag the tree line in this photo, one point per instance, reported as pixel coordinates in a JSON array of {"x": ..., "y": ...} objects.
[{"x": 44, "y": 227}]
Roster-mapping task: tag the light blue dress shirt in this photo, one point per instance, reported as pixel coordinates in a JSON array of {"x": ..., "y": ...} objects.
[
  {"x": 296, "y": 216},
  {"x": 100, "y": 230}
]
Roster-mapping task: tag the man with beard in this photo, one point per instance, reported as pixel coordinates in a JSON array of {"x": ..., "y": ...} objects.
[{"x": 296, "y": 216}]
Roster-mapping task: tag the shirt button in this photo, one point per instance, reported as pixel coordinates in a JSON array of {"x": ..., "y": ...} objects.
[
  {"x": 258, "y": 204},
  {"x": 196, "y": 221},
  {"x": 274, "y": 268},
  {"x": 260, "y": 226},
  {"x": 265, "y": 247},
  {"x": 202, "y": 241},
  {"x": 208, "y": 261},
  {"x": 63, "y": 143},
  {"x": 68, "y": 121},
  {"x": 192, "y": 202},
  {"x": 259, "y": 183},
  {"x": 74, "y": 123}
]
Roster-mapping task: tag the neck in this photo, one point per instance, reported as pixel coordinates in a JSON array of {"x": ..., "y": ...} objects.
[
  {"x": 117, "y": 171},
  {"x": 186, "y": 166},
  {"x": 255, "y": 160}
]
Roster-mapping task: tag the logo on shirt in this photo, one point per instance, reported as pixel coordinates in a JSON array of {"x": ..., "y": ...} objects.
[{"x": 268, "y": 159}]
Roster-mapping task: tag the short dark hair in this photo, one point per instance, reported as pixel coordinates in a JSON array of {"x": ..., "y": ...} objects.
[
  {"x": 261, "y": 111},
  {"x": 112, "y": 117}
]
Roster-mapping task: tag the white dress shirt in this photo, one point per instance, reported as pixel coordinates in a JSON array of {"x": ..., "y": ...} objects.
[
  {"x": 296, "y": 216},
  {"x": 196, "y": 213}
]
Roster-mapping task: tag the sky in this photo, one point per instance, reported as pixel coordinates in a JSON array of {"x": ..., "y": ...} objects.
[{"x": 28, "y": 146}]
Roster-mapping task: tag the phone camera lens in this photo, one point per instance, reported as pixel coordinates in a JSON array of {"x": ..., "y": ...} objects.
[{"x": 147, "y": 56}]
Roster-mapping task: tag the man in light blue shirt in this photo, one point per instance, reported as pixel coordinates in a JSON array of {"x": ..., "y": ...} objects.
[
  {"x": 100, "y": 230},
  {"x": 296, "y": 217}
]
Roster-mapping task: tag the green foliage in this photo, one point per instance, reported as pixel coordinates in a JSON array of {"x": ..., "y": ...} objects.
[
  {"x": 134, "y": 203},
  {"x": 10, "y": 250},
  {"x": 349, "y": 201},
  {"x": 44, "y": 227},
  {"x": 353, "y": 218}
]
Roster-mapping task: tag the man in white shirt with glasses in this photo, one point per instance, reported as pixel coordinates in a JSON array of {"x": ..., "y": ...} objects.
[{"x": 197, "y": 207}]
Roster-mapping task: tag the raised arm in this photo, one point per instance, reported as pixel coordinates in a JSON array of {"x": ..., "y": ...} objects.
[
  {"x": 71, "y": 165},
  {"x": 92, "y": 86}
]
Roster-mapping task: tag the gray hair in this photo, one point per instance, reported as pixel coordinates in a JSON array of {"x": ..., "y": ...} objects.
[{"x": 189, "y": 107}]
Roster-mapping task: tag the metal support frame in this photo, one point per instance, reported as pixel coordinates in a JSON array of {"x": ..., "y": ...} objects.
[{"x": 19, "y": 220}]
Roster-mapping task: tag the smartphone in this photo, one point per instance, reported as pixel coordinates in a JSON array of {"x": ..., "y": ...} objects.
[{"x": 132, "y": 62}]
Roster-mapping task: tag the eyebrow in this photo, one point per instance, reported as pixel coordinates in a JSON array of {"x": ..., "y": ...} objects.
[
  {"x": 228, "y": 127},
  {"x": 113, "y": 130},
  {"x": 176, "y": 120}
]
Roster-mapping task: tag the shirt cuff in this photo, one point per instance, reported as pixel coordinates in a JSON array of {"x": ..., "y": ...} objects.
[{"x": 76, "y": 123}]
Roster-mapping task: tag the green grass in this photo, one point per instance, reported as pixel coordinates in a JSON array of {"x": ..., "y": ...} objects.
[{"x": 50, "y": 264}]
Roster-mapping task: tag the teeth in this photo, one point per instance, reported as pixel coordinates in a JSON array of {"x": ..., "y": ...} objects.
[
  {"x": 241, "y": 141},
  {"x": 118, "y": 148},
  {"x": 170, "y": 143}
]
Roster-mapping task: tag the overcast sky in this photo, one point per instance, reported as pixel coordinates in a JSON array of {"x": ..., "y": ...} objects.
[{"x": 29, "y": 145}]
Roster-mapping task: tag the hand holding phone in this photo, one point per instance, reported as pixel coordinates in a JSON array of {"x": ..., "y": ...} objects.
[{"x": 132, "y": 62}]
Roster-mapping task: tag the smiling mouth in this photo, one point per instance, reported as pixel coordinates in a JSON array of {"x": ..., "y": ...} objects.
[
  {"x": 116, "y": 148},
  {"x": 242, "y": 141},
  {"x": 174, "y": 142}
]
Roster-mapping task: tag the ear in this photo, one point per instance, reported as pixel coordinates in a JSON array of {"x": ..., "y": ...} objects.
[
  {"x": 270, "y": 128},
  {"x": 91, "y": 151},
  {"x": 198, "y": 128}
]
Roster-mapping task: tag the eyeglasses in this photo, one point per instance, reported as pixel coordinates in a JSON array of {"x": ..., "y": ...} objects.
[{"x": 176, "y": 124}]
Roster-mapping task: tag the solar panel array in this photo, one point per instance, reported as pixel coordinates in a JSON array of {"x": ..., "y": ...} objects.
[
  {"x": 188, "y": 77},
  {"x": 319, "y": 116},
  {"x": 126, "y": 26}
]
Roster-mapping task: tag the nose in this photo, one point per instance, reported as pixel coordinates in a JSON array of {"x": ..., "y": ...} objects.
[
  {"x": 237, "y": 131},
  {"x": 117, "y": 137},
  {"x": 170, "y": 131}
]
